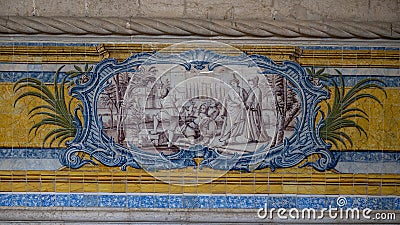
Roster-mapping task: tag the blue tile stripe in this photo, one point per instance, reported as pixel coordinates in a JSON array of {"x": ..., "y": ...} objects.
[
  {"x": 344, "y": 156},
  {"x": 368, "y": 156},
  {"x": 351, "y": 80},
  {"x": 29, "y": 153},
  {"x": 44, "y": 76},
  {"x": 48, "y": 76},
  {"x": 195, "y": 201}
]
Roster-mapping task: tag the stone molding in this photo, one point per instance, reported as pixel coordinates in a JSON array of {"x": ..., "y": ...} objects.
[
  {"x": 161, "y": 216},
  {"x": 133, "y": 26}
]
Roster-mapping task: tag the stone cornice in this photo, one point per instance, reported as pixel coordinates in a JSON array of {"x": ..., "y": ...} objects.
[{"x": 132, "y": 26}]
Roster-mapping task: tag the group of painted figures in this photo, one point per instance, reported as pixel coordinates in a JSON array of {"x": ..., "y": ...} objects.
[{"x": 203, "y": 120}]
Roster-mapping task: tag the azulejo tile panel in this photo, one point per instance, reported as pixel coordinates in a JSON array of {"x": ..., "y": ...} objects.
[{"x": 199, "y": 125}]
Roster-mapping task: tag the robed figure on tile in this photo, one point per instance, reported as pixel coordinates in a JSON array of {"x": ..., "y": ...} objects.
[
  {"x": 235, "y": 119},
  {"x": 254, "y": 129}
]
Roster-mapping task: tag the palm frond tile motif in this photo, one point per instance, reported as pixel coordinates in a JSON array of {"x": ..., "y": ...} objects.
[
  {"x": 343, "y": 111},
  {"x": 56, "y": 111}
]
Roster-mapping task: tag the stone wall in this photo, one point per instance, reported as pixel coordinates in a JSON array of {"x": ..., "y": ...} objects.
[{"x": 338, "y": 10}]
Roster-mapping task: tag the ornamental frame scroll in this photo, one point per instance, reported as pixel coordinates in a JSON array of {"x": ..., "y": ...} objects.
[{"x": 92, "y": 144}]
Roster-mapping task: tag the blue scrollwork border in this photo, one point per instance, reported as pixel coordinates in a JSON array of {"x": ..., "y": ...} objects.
[{"x": 92, "y": 144}]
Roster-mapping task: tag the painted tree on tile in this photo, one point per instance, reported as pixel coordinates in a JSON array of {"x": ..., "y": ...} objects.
[{"x": 286, "y": 103}]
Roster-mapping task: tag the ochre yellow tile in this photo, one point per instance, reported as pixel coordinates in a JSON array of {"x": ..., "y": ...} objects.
[
  {"x": 360, "y": 189},
  {"x": 119, "y": 187},
  {"x": 275, "y": 188},
  {"x": 203, "y": 188},
  {"x": 33, "y": 175},
  {"x": 304, "y": 189},
  {"x": 47, "y": 186},
  {"x": 290, "y": 189},
  {"x": 233, "y": 189},
  {"x": 147, "y": 187},
  {"x": 178, "y": 189},
  {"x": 33, "y": 186},
  {"x": 161, "y": 188},
  {"x": 76, "y": 187},
  {"x": 332, "y": 189},
  {"x": 262, "y": 188},
  {"x": 105, "y": 187},
  {"x": 388, "y": 190},
  {"x": 247, "y": 188},
  {"x": 19, "y": 186},
  {"x": 5, "y": 175},
  {"x": 318, "y": 189},
  {"x": 133, "y": 188},
  {"x": 5, "y": 186},
  {"x": 62, "y": 187},
  {"x": 193, "y": 189},
  {"x": 374, "y": 190},
  {"x": 346, "y": 189},
  {"x": 90, "y": 187}
]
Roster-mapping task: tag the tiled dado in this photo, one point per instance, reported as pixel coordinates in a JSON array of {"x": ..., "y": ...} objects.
[{"x": 367, "y": 173}]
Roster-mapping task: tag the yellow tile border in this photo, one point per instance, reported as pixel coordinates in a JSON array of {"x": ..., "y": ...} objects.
[
  {"x": 49, "y": 54},
  {"x": 307, "y": 57},
  {"x": 263, "y": 182},
  {"x": 351, "y": 58}
]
